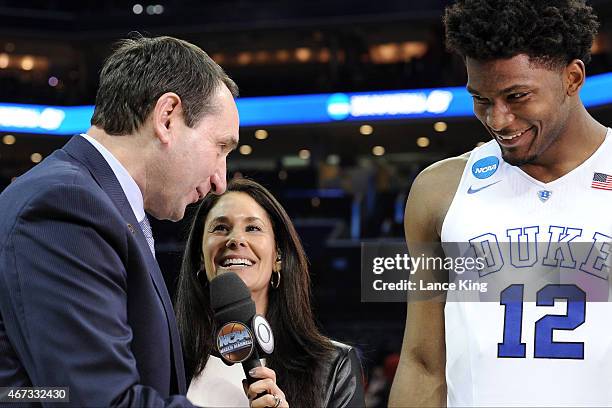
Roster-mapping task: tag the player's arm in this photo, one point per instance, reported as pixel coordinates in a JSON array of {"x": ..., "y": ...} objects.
[{"x": 420, "y": 378}]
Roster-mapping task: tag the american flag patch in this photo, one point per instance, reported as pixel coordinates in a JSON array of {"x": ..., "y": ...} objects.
[{"x": 602, "y": 181}]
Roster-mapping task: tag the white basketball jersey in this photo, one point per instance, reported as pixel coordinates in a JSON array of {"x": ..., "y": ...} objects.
[{"x": 545, "y": 350}]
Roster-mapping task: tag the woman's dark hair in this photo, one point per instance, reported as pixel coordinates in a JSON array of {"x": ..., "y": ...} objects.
[
  {"x": 299, "y": 345},
  {"x": 552, "y": 33}
]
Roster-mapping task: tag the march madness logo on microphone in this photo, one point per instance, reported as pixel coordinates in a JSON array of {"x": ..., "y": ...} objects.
[{"x": 235, "y": 342}]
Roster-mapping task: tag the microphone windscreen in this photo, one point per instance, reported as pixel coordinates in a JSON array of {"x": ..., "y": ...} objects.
[{"x": 231, "y": 299}]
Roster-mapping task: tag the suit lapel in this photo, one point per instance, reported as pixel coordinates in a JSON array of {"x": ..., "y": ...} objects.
[{"x": 80, "y": 149}]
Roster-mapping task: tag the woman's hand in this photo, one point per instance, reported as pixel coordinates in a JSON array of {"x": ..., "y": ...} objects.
[{"x": 266, "y": 383}]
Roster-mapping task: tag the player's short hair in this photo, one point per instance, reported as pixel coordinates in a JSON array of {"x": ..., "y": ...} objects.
[
  {"x": 552, "y": 33},
  {"x": 142, "y": 69}
]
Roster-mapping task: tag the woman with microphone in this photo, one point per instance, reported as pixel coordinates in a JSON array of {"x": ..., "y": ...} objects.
[{"x": 246, "y": 231}]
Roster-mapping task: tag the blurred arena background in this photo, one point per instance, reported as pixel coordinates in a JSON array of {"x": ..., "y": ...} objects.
[{"x": 343, "y": 179}]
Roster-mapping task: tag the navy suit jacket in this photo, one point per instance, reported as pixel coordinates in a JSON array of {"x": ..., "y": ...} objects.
[{"x": 83, "y": 303}]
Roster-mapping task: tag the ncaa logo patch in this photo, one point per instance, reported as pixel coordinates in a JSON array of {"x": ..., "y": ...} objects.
[
  {"x": 485, "y": 167},
  {"x": 544, "y": 195}
]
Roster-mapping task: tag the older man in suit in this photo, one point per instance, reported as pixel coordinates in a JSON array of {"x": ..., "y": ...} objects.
[{"x": 83, "y": 303}]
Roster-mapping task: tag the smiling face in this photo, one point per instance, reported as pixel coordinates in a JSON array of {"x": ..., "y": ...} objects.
[
  {"x": 523, "y": 105},
  {"x": 238, "y": 237}
]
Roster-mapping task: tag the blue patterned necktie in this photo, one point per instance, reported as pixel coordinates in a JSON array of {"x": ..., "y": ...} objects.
[{"x": 148, "y": 233}]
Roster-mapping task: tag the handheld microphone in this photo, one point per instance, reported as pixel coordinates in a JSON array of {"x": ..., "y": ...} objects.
[{"x": 242, "y": 334}]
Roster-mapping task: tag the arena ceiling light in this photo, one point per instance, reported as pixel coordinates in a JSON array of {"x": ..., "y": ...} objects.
[
  {"x": 261, "y": 134},
  {"x": 366, "y": 130},
  {"x": 440, "y": 126}
]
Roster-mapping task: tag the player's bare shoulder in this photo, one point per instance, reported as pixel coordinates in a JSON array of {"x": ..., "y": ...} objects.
[
  {"x": 432, "y": 192},
  {"x": 444, "y": 175}
]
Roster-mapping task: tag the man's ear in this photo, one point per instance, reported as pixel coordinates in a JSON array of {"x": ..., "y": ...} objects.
[
  {"x": 574, "y": 75},
  {"x": 167, "y": 108}
]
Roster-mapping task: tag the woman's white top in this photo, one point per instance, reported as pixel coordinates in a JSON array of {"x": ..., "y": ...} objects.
[{"x": 218, "y": 385}]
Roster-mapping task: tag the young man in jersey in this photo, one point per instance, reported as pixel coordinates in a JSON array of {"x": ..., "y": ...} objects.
[{"x": 537, "y": 179}]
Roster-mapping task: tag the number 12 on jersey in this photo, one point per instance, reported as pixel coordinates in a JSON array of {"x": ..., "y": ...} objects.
[{"x": 544, "y": 346}]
